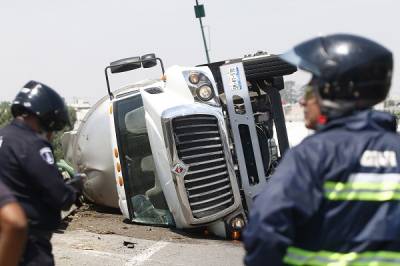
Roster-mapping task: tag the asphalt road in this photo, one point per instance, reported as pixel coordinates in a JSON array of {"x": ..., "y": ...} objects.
[
  {"x": 85, "y": 248},
  {"x": 98, "y": 238}
]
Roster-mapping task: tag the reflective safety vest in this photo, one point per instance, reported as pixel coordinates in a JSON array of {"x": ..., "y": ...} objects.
[{"x": 334, "y": 199}]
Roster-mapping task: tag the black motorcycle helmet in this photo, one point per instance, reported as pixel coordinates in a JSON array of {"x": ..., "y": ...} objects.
[
  {"x": 348, "y": 72},
  {"x": 42, "y": 101}
]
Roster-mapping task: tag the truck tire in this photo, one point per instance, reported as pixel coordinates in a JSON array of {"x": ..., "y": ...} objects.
[{"x": 266, "y": 67}]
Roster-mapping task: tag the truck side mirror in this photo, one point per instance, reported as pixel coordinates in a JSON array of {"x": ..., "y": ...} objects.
[
  {"x": 126, "y": 64},
  {"x": 131, "y": 63},
  {"x": 149, "y": 60}
]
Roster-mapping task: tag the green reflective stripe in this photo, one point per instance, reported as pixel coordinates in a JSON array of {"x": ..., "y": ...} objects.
[
  {"x": 359, "y": 195},
  {"x": 371, "y": 191},
  {"x": 362, "y": 185},
  {"x": 297, "y": 256}
]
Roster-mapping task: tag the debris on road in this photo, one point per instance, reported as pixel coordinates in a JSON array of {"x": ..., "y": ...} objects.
[{"x": 129, "y": 244}]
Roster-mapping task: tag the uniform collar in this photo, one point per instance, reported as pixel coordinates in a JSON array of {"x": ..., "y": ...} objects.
[
  {"x": 21, "y": 124},
  {"x": 367, "y": 119}
]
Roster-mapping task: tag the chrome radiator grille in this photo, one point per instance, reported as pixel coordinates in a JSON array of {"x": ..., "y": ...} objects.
[{"x": 199, "y": 146}]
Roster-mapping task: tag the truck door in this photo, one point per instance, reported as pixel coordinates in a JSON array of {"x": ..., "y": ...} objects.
[{"x": 144, "y": 196}]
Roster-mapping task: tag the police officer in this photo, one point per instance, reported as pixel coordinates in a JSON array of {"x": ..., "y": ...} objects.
[
  {"x": 28, "y": 168},
  {"x": 13, "y": 227},
  {"x": 334, "y": 199}
]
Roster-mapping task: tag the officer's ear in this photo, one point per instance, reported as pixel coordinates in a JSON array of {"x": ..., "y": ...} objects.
[{"x": 49, "y": 135}]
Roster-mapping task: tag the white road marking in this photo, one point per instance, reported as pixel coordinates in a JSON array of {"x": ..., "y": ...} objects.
[
  {"x": 101, "y": 254},
  {"x": 146, "y": 254}
]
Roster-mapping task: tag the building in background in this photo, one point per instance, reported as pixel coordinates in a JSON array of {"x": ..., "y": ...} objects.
[{"x": 81, "y": 107}]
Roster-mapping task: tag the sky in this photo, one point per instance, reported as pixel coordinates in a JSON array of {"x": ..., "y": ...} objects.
[{"x": 67, "y": 44}]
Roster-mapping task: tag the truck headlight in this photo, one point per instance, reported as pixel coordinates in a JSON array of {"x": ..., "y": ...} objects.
[
  {"x": 194, "y": 78},
  {"x": 205, "y": 93},
  {"x": 201, "y": 87}
]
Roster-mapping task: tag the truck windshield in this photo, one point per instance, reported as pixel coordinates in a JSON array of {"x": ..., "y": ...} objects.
[{"x": 145, "y": 199}]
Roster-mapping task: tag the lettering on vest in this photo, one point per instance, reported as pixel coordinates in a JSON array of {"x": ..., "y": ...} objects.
[{"x": 378, "y": 159}]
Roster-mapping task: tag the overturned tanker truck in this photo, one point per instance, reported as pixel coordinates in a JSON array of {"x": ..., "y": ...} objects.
[{"x": 190, "y": 149}]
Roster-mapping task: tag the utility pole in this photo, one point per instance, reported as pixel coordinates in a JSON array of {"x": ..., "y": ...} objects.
[{"x": 200, "y": 13}]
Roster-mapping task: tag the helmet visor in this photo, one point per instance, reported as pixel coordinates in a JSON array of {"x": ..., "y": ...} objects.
[
  {"x": 295, "y": 57},
  {"x": 295, "y": 86}
]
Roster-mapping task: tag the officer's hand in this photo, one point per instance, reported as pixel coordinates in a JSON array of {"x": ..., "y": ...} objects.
[
  {"x": 77, "y": 182},
  {"x": 79, "y": 201}
]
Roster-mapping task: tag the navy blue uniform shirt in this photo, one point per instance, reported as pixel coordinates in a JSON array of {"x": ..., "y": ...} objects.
[
  {"x": 334, "y": 198},
  {"x": 5, "y": 195},
  {"x": 28, "y": 168}
]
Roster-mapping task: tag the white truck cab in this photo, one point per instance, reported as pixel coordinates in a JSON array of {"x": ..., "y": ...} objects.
[{"x": 193, "y": 148}]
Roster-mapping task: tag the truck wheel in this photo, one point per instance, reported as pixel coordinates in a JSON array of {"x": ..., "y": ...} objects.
[{"x": 267, "y": 67}]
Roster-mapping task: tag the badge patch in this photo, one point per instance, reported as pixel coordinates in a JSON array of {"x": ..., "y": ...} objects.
[
  {"x": 47, "y": 155},
  {"x": 371, "y": 158}
]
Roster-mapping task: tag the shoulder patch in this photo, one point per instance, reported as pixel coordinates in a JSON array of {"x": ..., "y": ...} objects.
[
  {"x": 47, "y": 155},
  {"x": 1, "y": 141},
  {"x": 371, "y": 158}
]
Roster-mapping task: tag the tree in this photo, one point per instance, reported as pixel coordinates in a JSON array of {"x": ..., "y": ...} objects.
[
  {"x": 56, "y": 142},
  {"x": 5, "y": 113},
  {"x": 389, "y": 103}
]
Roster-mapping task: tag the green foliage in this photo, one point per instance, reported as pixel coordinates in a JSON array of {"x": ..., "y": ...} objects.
[
  {"x": 5, "y": 113},
  {"x": 6, "y": 117},
  {"x": 389, "y": 103},
  {"x": 397, "y": 114},
  {"x": 56, "y": 142}
]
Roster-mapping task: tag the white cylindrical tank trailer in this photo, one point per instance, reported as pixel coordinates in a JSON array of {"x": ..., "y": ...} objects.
[{"x": 88, "y": 148}]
